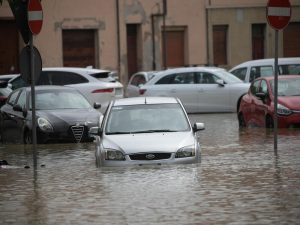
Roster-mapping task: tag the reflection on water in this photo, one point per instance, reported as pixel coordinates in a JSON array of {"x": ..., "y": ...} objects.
[{"x": 239, "y": 181}]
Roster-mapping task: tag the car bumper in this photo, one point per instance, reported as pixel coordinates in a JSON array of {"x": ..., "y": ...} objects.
[
  {"x": 130, "y": 162},
  {"x": 291, "y": 121}
]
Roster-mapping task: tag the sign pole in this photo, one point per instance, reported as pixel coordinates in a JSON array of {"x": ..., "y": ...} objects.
[
  {"x": 32, "y": 92},
  {"x": 276, "y": 94}
]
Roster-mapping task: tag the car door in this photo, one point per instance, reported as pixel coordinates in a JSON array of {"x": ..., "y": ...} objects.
[
  {"x": 261, "y": 105},
  {"x": 181, "y": 85},
  {"x": 212, "y": 97},
  {"x": 12, "y": 120},
  {"x": 255, "y": 104}
]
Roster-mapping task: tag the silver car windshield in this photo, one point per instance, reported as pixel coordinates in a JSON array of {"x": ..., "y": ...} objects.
[
  {"x": 148, "y": 118},
  {"x": 287, "y": 87}
]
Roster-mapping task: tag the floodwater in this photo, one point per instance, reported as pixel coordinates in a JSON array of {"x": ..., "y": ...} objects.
[{"x": 239, "y": 181}]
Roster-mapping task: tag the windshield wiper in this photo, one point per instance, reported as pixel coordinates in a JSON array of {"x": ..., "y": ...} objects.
[
  {"x": 118, "y": 133},
  {"x": 154, "y": 131}
]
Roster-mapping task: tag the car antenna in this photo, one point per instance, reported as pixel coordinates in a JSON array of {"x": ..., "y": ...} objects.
[{"x": 145, "y": 100}]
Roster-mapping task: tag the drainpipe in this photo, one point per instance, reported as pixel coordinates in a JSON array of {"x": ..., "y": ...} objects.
[
  {"x": 153, "y": 16},
  {"x": 118, "y": 38},
  {"x": 207, "y": 33},
  {"x": 164, "y": 33}
]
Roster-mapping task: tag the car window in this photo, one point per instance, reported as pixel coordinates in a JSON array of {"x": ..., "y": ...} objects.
[
  {"x": 293, "y": 69},
  {"x": 178, "y": 78},
  {"x": 240, "y": 73},
  {"x": 255, "y": 87},
  {"x": 138, "y": 80},
  {"x": 11, "y": 100},
  {"x": 22, "y": 99},
  {"x": 287, "y": 87},
  {"x": 17, "y": 83},
  {"x": 264, "y": 87},
  {"x": 260, "y": 71},
  {"x": 206, "y": 78},
  {"x": 65, "y": 78}
]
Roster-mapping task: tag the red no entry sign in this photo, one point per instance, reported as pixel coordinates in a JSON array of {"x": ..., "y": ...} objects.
[
  {"x": 35, "y": 16},
  {"x": 278, "y": 13}
]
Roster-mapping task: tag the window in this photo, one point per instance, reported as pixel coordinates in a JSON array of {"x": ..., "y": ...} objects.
[
  {"x": 260, "y": 71},
  {"x": 178, "y": 78},
  {"x": 65, "y": 78},
  {"x": 220, "y": 44},
  {"x": 258, "y": 41},
  {"x": 13, "y": 97},
  {"x": 255, "y": 87},
  {"x": 138, "y": 80},
  {"x": 22, "y": 99},
  {"x": 240, "y": 73},
  {"x": 264, "y": 87},
  {"x": 206, "y": 78}
]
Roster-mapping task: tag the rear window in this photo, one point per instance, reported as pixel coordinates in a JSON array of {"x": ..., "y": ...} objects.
[{"x": 100, "y": 75}]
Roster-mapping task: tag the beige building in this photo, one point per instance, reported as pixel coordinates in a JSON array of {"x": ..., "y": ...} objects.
[{"x": 133, "y": 35}]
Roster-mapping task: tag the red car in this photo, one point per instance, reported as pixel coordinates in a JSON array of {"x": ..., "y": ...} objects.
[{"x": 257, "y": 106}]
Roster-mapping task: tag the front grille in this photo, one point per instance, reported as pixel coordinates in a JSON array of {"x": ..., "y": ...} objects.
[
  {"x": 77, "y": 132},
  {"x": 150, "y": 156}
]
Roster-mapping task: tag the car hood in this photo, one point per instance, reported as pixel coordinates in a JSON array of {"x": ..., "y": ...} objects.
[
  {"x": 149, "y": 142},
  {"x": 292, "y": 102},
  {"x": 71, "y": 116}
]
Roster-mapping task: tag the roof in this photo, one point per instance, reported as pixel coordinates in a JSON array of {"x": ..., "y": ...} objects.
[
  {"x": 76, "y": 69},
  {"x": 144, "y": 100},
  {"x": 258, "y": 62}
]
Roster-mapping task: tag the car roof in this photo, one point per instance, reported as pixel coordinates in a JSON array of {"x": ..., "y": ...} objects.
[
  {"x": 188, "y": 69},
  {"x": 258, "y": 62},
  {"x": 76, "y": 69},
  {"x": 144, "y": 100}
]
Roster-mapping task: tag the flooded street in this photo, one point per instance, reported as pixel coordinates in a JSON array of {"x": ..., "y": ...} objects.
[{"x": 239, "y": 181}]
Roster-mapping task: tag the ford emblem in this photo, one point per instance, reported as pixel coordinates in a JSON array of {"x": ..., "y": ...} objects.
[{"x": 150, "y": 156}]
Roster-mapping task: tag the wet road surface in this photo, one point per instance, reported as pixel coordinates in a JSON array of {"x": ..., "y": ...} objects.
[{"x": 239, "y": 181}]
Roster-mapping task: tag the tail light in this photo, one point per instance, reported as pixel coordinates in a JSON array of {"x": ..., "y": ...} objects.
[
  {"x": 106, "y": 90},
  {"x": 142, "y": 91}
]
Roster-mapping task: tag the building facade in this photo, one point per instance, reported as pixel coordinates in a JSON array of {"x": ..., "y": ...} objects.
[{"x": 134, "y": 35}]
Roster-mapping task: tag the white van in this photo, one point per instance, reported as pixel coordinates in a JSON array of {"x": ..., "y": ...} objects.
[{"x": 250, "y": 70}]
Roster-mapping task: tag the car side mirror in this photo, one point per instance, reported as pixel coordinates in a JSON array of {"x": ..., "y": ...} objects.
[
  {"x": 198, "y": 126},
  {"x": 220, "y": 82},
  {"x": 97, "y": 105},
  {"x": 95, "y": 131}
]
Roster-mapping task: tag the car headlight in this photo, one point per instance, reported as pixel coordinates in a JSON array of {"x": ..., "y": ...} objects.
[
  {"x": 282, "y": 110},
  {"x": 44, "y": 125},
  {"x": 112, "y": 154},
  {"x": 188, "y": 151}
]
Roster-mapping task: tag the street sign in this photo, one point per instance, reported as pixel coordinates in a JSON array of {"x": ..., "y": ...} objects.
[
  {"x": 25, "y": 64},
  {"x": 278, "y": 13},
  {"x": 35, "y": 16},
  {"x": 19, "y": 9}
]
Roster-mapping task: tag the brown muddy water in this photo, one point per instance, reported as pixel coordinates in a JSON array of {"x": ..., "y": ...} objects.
[{"x": 239, "y": 181}]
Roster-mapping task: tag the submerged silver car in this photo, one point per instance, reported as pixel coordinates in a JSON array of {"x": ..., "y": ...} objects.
[{"x": 146, "y": 130}]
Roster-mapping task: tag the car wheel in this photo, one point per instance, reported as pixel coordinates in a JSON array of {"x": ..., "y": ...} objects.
[
  {"x": 241, "y": 119},
  {"x": 269, "y": 122},
  {"x": 27, "y": 137}
]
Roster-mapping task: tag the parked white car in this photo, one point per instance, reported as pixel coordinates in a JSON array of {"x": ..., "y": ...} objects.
[
  {"x": 136, "y": 81},
  {"x": 141, "y": 131},
  {"x": 200, "y": 89},
  {"x": 250, "y": 70},
  {"x": 95, "y": 84},
  {"x": 7, "y": 77}
]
